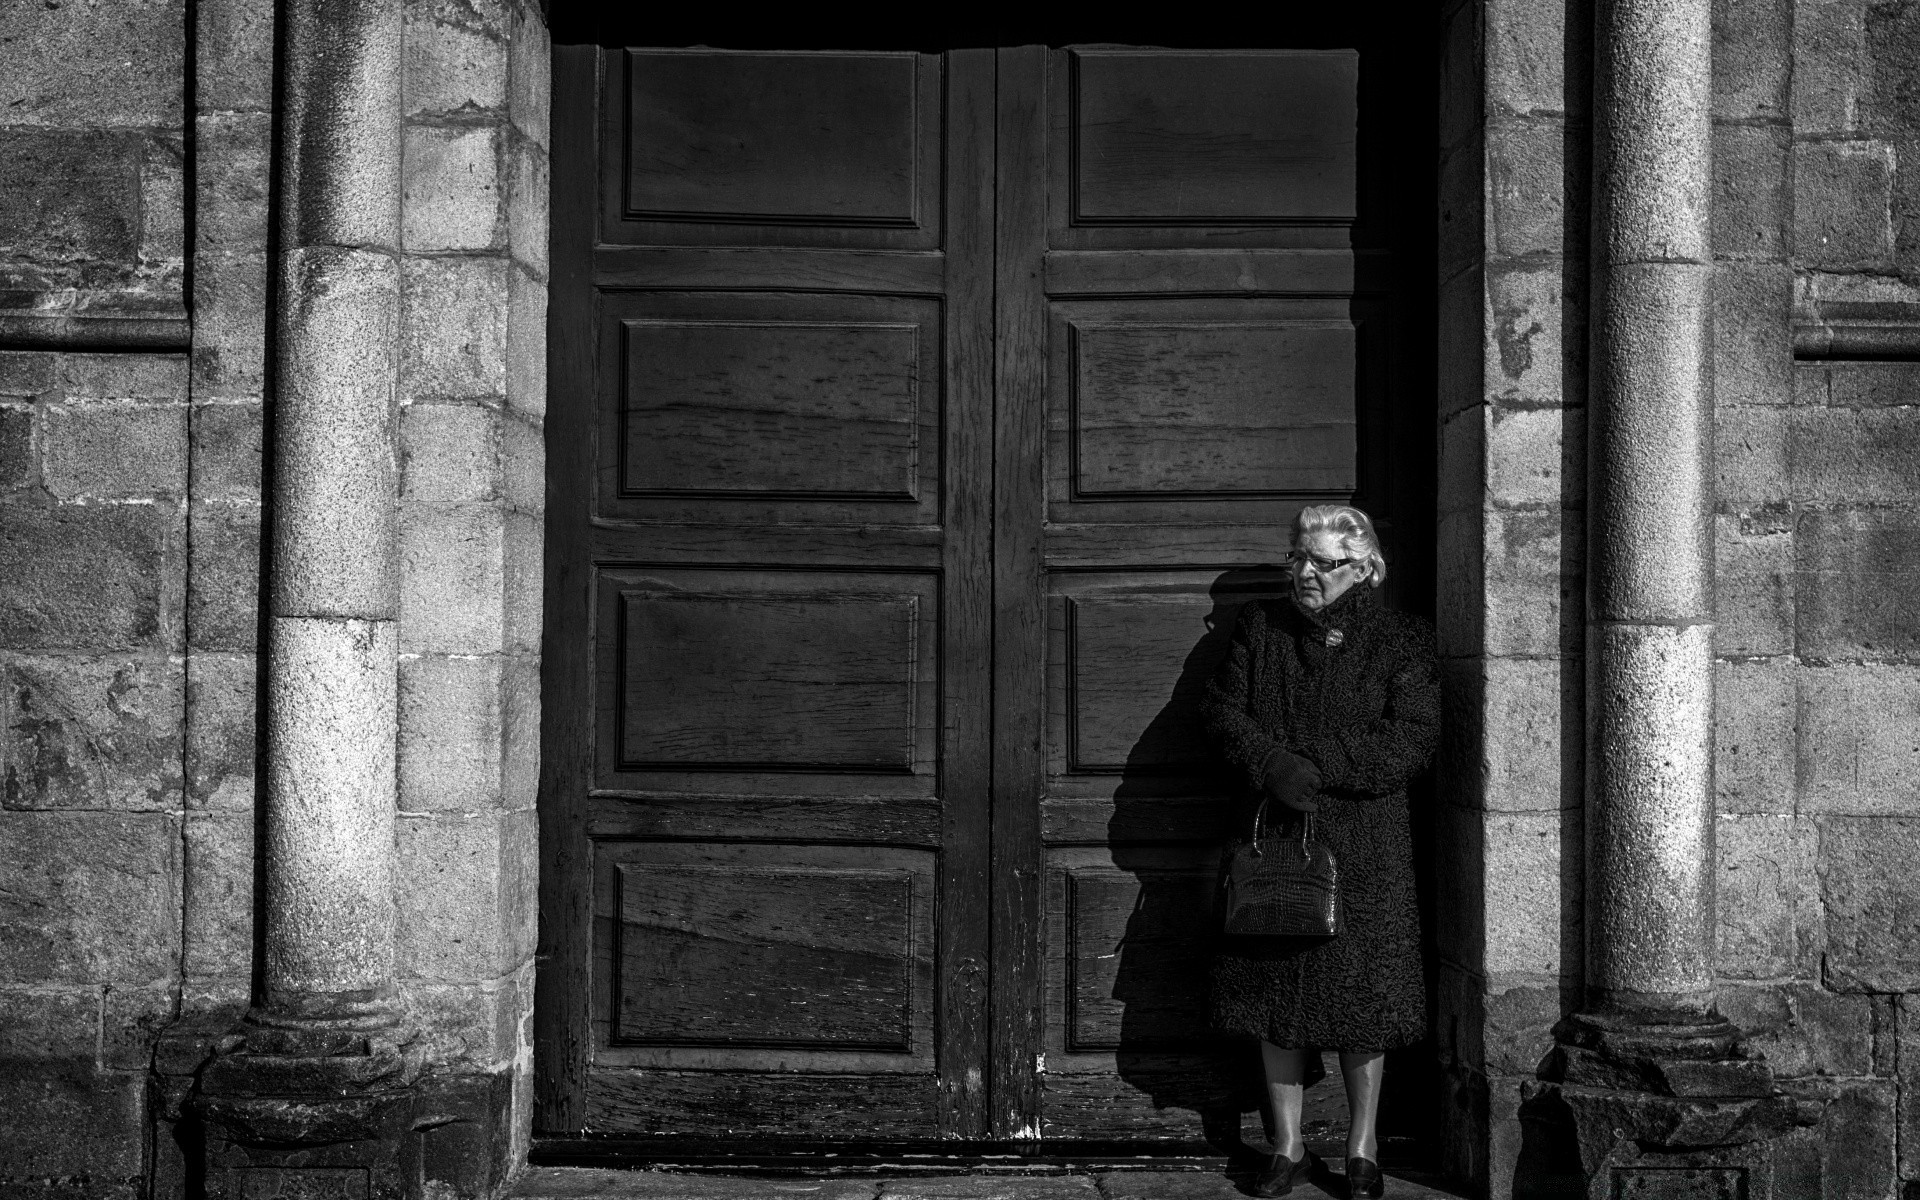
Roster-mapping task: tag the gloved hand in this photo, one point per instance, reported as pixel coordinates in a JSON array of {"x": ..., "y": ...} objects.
[{"x": 1292, "y": 782}]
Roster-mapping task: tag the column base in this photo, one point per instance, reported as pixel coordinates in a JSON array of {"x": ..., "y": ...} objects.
[
  {"x": 325, "y": 1113},
  {"x": 1676, "y": 1106}
]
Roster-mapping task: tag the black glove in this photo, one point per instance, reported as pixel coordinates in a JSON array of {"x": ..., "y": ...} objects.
[{"x": 1292, "y": 782}]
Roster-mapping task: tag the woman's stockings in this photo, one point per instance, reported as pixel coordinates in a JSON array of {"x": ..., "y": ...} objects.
[
  {"x": 1362, "y": 1070},
  {"x": 1286, "y": 1092}
]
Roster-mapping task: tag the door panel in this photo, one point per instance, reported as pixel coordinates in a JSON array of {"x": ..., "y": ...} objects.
[
  {"x": 770, "y": 575},
  {"x": 1204, "y": 367}
]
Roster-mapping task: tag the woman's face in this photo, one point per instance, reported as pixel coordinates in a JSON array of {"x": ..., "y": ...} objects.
[{"x": 1313, "y": 587}]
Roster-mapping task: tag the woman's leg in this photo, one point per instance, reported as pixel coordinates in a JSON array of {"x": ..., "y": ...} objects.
[
  {"x": 1286, "y": 1093},
  {"x": 1362, "y": 1070}
]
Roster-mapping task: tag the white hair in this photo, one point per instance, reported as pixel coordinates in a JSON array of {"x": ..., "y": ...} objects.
[{"x": 1356, "y": 534}]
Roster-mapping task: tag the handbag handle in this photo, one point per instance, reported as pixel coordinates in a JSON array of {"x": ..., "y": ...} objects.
[{"x": 1260, "y": 820}]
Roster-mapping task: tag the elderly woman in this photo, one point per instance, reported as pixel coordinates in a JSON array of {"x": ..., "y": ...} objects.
[{"x": 1328, "y": 702}]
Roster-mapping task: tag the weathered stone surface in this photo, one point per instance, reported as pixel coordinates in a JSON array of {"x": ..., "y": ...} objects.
[
  {"x": 71, "y": 196},
  {"x": 585, "y": 1183},
  {"x": 523, "y": 463},
  {"x": 1752, "y": 54},
  {"x": 333, "y": 538},
  {"x": 1756, "y": 712},
  {"x": 1533, "y": 582},
  {"x": 464, "y": 897},
  {"x": 131, "y": 1021},
  {"x": 991, "y": 1187},
  {"x": 233, "y": 48},
  {"x": 451, "y": 733},
  {"x": 1857, "y": 575},
  {"x": 17, "y": 467},
  {"x": 1535, "y": 456},
  {"x": 1843, "y": 193},
  {"x": 69, "y": 1122},
  {"x": 1519, "y": 1025},
  {"x": 453, "y": 328},
  {"x": 114, "y": 451},
  {"x": 1533, "y": 739},
  {"x": 49, "y": 1024},
  {"x": 520, "y": 732},
  {"x": 1907, "y": 1055},
  {"x": 523, "y": 582},
  {"x": 1858, "y": 1156},
  {"x": 1828, "y": 52},
  {"x": 1463, "y": 465},
  {"x": 453, "y": 67},
  {"x": 83, "y": 64},
  {"x": 1527, "y": 362},
  {"x": 234, "y": 166},
  {"x": 90, "y": 733},
  {"x": 89, "y": 897},
  {"x": 1752, "y": 209},
  {"x": 221, "y": 721},
  {"x": 1856, "y": 455},
  {"x": 1533, "y": 886},
  {"x": 529, "y": 70},
  {"x": 230, "y": 325},
  {"x": 226, "y": 451},
  {"x": 1463, "y": 202},
  {"x": 219, "y": 894},
  {"x": 450, "y": 453},
  {"x": 1860, "y": 740},
  {"x": 1462, "y": 328},
  {"x": 1872, "y": 912},
  {"x": 1527, "y": 185},
  {"x": 1802, "y": 1028},
  {"x": 454, "y": 194},
  {"x": 1767, "y": 916},
  {"x": 527, "y": 190},
  {"x": 25, "y": 374},
  {"x": 1750, "y": 456},
  {"x": 163, "y": 207},
  {"x": 1460, "y": 616},
  {"x": 223, "y": 598},
  {"x": 90, "y": 577},
  {"x": 452, "y": 579},
  {"x": 526, "y": 344},
  {"x": 466, "y": 1023},
  {"x": 1752, "y": 333},
  {"x": 150, "y": 377},
  {"x": 331, "y": 722},
  {"x": 1528, "y": 69},
  {"x": 1754, "y": 586},
  {"x": 1864, "y": 384}
]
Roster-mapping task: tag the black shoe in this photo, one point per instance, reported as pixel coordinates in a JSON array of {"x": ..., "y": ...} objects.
[
  {"x": 1364, "y": 1179},
  {"x": 1282, "y": 1173}
]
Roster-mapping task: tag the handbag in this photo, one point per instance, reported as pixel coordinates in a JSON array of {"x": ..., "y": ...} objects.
[{"x": 1283, "y": 886}]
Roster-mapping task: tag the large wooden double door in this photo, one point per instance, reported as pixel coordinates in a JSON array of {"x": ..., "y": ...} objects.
[{"x": 918, "y": 422}]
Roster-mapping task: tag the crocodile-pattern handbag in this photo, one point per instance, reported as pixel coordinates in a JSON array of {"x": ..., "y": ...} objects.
[{"x": 1283, "y": 886}]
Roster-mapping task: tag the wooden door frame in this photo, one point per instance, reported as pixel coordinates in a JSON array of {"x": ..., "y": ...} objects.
[{"x": 562, "y": 1036}]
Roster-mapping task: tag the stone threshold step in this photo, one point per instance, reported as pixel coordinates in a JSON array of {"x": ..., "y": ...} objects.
[{"x": 594, "y": 1183}]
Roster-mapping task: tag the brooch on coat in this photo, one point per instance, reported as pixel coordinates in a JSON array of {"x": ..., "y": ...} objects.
[{"x": 1333, "y": 637}]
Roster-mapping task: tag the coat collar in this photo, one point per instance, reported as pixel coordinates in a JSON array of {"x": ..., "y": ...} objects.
[{"x": 1330, "y": 625}]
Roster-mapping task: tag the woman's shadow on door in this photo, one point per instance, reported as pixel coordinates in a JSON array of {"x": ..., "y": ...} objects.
[{"x": 1172, "y": 810}]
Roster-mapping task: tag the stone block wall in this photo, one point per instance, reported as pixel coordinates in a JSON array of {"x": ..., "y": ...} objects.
[
  {"x": 1513, "y": 221},
  {"x": 131, "y": 494},
  {"x": 1817, "y": 536},
  {"x": 472, "y": 497},
  {"x": 92, "y": 171}
]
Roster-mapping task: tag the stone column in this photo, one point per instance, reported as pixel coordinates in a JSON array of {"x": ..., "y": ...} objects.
[
  {"x": 333, "y": 577},
  {"x": 1650, "y": 511},
  {"x": 1663, "y": 1094},
  {"x": 316, "y": 1092}
]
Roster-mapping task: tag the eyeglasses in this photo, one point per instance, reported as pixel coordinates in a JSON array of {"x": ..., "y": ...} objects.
[{"x": 1322, "y": 566}]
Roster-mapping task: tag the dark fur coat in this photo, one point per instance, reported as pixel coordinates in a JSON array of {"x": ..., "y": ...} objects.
[{"x": 1366, "y": 711}]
